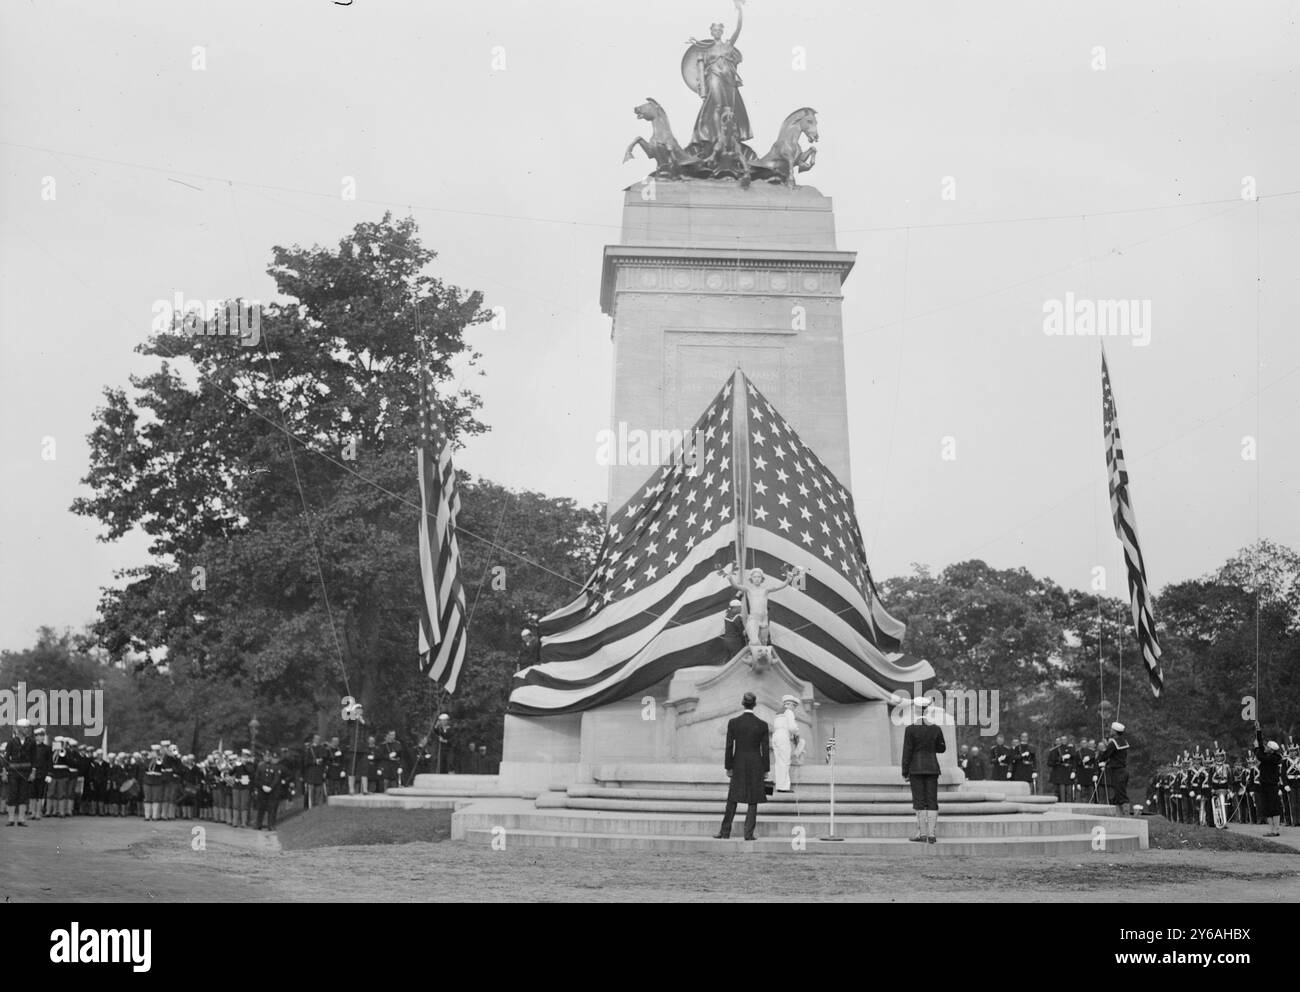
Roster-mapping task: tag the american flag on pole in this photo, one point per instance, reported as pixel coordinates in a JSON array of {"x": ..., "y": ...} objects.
[
  {"x": 1121, "y": 508},
  {"x": 655, "y": 602},
  {"x": 442, "y": 611}
]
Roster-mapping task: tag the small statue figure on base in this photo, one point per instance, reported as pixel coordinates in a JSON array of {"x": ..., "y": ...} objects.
[{"x": 757, "y": 588}]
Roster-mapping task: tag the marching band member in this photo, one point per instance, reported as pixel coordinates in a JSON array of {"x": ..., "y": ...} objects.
[
  {"x": 153, "y": 783},
  {"x": 1253, "y": 788},
  {"x": 19, "y": 760},
  {"x": 1199, "y": 782},
  {"x": 1221, "y": 780},
  {"x": 44, "y": 760},
  {"x": 1291, "y": 776},
  {"x": 241, "y": 787}
]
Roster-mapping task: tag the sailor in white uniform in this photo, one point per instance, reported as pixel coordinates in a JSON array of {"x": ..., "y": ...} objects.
[{"x": 787, "y": 744}]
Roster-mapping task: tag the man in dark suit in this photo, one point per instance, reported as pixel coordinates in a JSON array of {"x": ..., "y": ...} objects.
[
  {"x": 315, "y": 755},
  {"x": 746, "y": 760},
  {"x": 269, "y": 781},
  {"x": 922, "y": 744},
  {"x": 977, "y": 770},
  {"x": 1001, "y": 757},
  {"x": 1024, "y": 763},
  {"x": 1062, "y": 774}
]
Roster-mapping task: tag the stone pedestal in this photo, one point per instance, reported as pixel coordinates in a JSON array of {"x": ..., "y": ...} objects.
[
  {"x": 709, "y": 277},
  {"x": 702, "y": 700},
  {"x": 681, "y": 724}
]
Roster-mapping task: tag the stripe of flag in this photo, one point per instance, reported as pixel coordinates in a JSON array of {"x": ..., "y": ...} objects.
[
  {"x": 652, "y": 605},
  {"x": 655, "y": 602},
  {"x": 442, "y": 636},
  {"x": 1121, "y": 508}
]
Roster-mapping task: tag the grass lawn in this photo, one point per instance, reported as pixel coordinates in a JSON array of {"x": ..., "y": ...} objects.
[
  {"x": 1192, "y": 837},
  {"x": 337, "y": 826}
]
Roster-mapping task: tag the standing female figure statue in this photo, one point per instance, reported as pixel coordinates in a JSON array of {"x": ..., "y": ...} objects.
[{"x": 711, "y": 69}]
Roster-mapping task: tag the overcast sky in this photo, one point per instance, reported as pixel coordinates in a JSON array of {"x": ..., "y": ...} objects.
[{"x": 170, "y": 177}]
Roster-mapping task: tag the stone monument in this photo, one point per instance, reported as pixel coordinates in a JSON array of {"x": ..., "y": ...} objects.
[
  {"x": 727, "y": 271},
  {"x": 724, "y": 263}
]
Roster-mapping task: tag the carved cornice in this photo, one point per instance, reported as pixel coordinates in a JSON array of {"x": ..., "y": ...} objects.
[{"x": 722, "y": 271}]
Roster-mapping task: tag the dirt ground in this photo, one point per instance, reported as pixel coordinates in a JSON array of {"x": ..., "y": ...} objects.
[{"x": 128, "y": 860}]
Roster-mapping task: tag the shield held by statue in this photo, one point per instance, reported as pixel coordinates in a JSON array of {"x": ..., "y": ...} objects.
[{"x": 693, "y": 69}]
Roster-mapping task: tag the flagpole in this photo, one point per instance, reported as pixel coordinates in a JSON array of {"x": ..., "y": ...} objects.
[
  {"x": 740, "y": 465},
  {"x": 740, "y": 478},
  {"x": 830, "y": 753}
]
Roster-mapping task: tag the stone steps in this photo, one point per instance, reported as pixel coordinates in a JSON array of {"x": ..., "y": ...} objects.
[
  {"x": 455, "y": 784},
  {"x": 390, "y": 800},
  {"x": 802, "y": 795},
  {"x": 555, "y": 800},
  {"x": 703, "y": 826},
  {"x": 695, "y": 776},
  {"x": 432, "y": 792},
  {"x": 1073, "y": 844}
]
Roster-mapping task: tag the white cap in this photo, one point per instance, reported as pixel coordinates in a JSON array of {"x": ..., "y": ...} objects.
[
  {"x": 24, "y": 722},
  {"x": 1117, "y": 727},
  {"x": 1273, "y": 746},
  {"x": 921, "y": 702},
  {"x": 166, "y": 744},
  {"x": 787, "y": 698},
  {"x": 443, "y": 716}
]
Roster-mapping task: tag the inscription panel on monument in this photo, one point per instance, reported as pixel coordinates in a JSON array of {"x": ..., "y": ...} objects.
[{"x": 696, "y": 363}]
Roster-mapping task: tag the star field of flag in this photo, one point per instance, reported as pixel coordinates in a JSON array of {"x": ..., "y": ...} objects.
[
  {"x": 679, "y": 506},
  {"x": 793, "y": 495},
  {"x": 655, "y": 601}
]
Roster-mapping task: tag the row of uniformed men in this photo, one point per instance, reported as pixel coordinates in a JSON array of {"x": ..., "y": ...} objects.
[
  {"x": 1074, "y": 768},
  {"x": 63, "y": 778},
  {"x": 1248, "y": 786}
]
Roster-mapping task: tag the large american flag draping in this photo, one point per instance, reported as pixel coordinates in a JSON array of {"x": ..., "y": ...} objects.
[
  {"x": 655, "y": 601},
  {"x": 1121, "y": 508},
  {"x": 442, "y": 610}
]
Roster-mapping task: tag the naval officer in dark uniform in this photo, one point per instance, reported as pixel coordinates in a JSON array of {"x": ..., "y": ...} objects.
[
  {"x": 746, "y": 759},
  {"x": 922, "y": 744}
]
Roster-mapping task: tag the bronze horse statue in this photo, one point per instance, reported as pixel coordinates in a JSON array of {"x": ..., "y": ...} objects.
[
  {"x": 728, "y": 157},
  {"x": 668, "y": 155},
  {"x": 787, "y": 157}
]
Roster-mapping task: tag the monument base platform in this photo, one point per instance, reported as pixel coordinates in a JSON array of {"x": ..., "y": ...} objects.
[
  {"x": 785, "y": 829},
  {"x": 647, "y": 774},
  {"x": 432, "y": 792}
]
